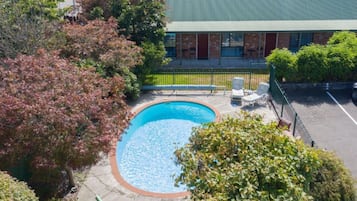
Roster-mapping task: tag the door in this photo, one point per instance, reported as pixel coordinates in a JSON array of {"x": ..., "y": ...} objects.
[
  {"x": 270, "y": 43},
  {"x": 202, "y": 46}
]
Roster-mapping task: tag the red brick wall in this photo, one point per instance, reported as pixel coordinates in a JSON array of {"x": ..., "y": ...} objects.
[
  {"x": 283, "y": 40},
  {"x": 214, "y": 46},
  {"x": 253, "y": 48},
  {"x": 188, "y": 46},
  {"x": 251, "y": 45},
  {"x": 321, "y": 37}
]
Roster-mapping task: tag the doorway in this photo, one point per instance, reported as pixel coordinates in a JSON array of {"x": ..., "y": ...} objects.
[
  {"x": 270, "y": 43},
  {"x": 202, "y": 46}
]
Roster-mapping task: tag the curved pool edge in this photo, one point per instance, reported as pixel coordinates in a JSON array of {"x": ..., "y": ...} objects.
[{"x": 112, "y": 154}]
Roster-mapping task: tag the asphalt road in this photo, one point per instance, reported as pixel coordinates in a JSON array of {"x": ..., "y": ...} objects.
[{"x": 331, "y": 119}]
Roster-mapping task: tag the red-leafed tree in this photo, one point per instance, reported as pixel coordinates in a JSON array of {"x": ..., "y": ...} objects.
[
  {"x": 99, "y": 41},
  {"x": 56, "y": 115}
]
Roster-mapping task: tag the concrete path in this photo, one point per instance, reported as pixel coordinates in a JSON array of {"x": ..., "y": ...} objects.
[{"x": 100, "y": 180}]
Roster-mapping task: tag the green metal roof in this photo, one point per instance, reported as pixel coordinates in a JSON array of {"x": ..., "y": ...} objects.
[{"x": 191, "y": 15}]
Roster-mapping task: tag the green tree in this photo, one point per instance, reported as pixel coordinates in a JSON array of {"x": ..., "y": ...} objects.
[
  {"x": 245, "y": 159},
  {"x": 90, "y": 5},
  {"x": 285, "y": 64},
  {"x": 312, "y": 63},
  {"x": 13, "y": 190},
  {"x": 47, "y": 9},
  {"x": 26, "y": 26},
  {"x": 96, "y": 13},
  {"x": 143, "y": 21}
]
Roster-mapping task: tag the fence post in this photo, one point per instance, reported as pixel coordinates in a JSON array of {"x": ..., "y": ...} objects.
[
  {"x": 211, "y": 76},
  {"x": 272, "y": 75},
  {"x": 282, "y": 109},
  {"x": 250, "y": 79},
  {"x": 173, "y": 76},
  {"x": 295, "y": 119}
]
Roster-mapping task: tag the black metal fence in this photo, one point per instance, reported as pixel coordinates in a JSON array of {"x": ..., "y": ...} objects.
[
  {"x": 207, "y": 76},
  {"x": 285, "y": 110}
]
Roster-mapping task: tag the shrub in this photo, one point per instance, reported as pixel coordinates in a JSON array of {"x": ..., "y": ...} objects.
[
  {"x": 340, "y": 63},
  {"x": 332, "y": 181},
  {"x": 312, "y": 63},
  {"x": 285, "y": 64},
  {"x": 245, "y": 159},
  {"x": 13, "y": 190},
  {"x": 342, "y": 56}
]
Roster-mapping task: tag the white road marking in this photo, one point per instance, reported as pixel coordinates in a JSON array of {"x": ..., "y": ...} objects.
[{"x": 343, "y": 109}]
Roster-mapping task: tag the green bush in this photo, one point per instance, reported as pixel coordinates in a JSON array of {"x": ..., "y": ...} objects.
[
  {"x": 336, "y": 61},
  {"x": 342, "y": 56},
  {"x": 312, "y": 63},
  {"x": 132, "y": 87},
  {"x": 332, "y": 181},
  {"x": 285, "y": 64},
  {"x": 245, "y": 159},
  {"x": 340, "y": 62},
  {"x": 96, "y": 13},
  {"x": 13, "y": 190}
]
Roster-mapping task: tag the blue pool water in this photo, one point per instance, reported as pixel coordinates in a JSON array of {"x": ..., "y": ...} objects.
[{"x": 145, "y": 155}]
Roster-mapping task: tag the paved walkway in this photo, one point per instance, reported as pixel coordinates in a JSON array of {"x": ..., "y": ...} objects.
[{"x": 100, "y": 180}]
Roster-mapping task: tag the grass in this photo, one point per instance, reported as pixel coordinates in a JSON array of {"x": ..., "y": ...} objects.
[{"x": 217, "y": 78}]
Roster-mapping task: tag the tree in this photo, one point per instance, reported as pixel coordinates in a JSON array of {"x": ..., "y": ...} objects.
[
  {"x": 57, "y": 116},
  {"x": 99, "y": 41},
  {"x": 25, "y": 26},
  {"x": 90, "y": 5},
  {"x": 245, "y": 159},
  {"x": 13, "y": 190},
  {"x": 143, "y": 21}
]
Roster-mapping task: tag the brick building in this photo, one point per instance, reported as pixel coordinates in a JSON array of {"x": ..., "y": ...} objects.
[{"x": 215, "y": 29}]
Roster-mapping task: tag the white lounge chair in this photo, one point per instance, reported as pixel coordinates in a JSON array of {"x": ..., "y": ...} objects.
[
  {"x": 237, "y": 88},
  {"x": 260, "y": 94}
]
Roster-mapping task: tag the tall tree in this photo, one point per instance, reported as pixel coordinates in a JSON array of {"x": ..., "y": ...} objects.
[
  {"x": 56, "y": 115},
  {"x": 144, "y": 21},
  {"x": 26, "y": 26},
  {"x": 99, "y": 41}
]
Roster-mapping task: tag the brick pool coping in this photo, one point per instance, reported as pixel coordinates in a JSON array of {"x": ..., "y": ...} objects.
[{"x": 112, "y": 155}]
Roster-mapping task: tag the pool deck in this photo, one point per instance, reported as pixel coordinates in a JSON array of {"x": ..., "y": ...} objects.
[{"x": 100, "y": 180}]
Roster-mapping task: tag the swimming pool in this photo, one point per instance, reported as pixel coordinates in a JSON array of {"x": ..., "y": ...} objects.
[{"x": 145, "y": 154}]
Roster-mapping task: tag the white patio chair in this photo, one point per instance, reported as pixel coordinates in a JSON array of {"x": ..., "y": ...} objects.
[
  {"x": 260, "y": 94},
  {"x": 237, "y": 88}
]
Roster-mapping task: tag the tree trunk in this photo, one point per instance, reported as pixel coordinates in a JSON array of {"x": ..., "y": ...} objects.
[{"x": 70, "y": 176}]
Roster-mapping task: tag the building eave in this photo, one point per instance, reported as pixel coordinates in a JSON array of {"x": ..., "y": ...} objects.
[{"x": 261, "y": 26}]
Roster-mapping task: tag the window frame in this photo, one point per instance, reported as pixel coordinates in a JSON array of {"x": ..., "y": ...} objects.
[
  {"x": 170, "y": 44},
  {"x": 230, "y": 46}
]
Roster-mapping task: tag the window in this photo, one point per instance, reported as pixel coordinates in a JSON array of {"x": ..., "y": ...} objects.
[
  {"x": 297, "y": 40},
  {"x": 232, "y": 45},
  {"x": 170, "y": 44}
]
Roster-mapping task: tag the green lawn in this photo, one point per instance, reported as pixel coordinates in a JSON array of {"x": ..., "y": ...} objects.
[{"x": 222, "y": 79}]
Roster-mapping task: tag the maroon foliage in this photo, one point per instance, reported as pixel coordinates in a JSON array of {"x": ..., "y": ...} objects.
[
  {"x": 57, "y": 115},
  {"x": 99, "y": 40}
]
